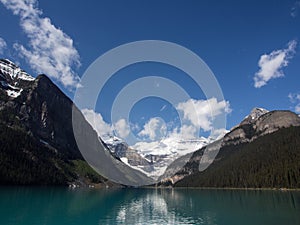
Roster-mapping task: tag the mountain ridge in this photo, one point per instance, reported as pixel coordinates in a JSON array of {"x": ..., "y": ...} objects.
[
  {"x": 43, "y": 113},
  {"x": 258, "y": 123}
]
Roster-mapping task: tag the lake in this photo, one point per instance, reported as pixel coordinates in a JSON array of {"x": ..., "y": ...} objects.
[{"x": 43, "y": 206}]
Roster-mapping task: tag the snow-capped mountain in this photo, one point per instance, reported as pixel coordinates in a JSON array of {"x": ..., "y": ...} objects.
[
  {"x": 163, "y": 153},
  {"x": 254, "y": 115},
  {"x": 170, "y": 146},
  {"x": 13, "y": 78},
  {"x": 112, "y": 140},
  {"x": 152, "y": 158}
]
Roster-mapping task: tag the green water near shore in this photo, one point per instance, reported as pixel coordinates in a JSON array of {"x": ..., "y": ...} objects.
[{"x": 44, "y": 205}]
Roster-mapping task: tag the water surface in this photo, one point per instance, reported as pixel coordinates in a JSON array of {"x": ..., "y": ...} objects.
[{"x": 43, "y": 206}]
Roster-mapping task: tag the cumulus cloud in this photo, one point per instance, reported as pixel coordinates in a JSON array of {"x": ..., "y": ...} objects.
[
  {"x": 184, "y": 132},
  {"x": 200, "y": 113},
  {"x": 103, "y": 129},
  {"x": 96, "y": 120},
  {"x": 121, "y": 128},
  {"x": 2, "y": 45},
  {"x": 295, "y": 100},
  {"x": 196, "y": 114},
  {"x": 271, "y": 64},
  {"x": 50, "y": 50},
  {"x": 153, "y": 129}
]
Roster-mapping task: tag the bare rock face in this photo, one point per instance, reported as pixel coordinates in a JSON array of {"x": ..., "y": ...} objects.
[
  {"x": 275, "y": 120},
  {"x": 121, "y": 150},
  {"x": 263, "y": 123}
]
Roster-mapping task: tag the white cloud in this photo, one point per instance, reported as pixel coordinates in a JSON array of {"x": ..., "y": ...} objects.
[
  {"x": 201, "y": 113},
  {"x": 96, "y": 120},
  {"x": 103, "y": 129},
  {"x": 153, "y": 129},
  {"x": 2, "y": 45},
  {"x": 271, "y": 64},
  {"x": 186, "y": 132},
  {"x": 295, "y": 9},
  {"x": 295, "y": 100},
  {"x": 122, "y": 128},
  {"x": 197, "y": 114},
  {"x": 134, "y": 126},
  {"x": 50, "y": 51}
]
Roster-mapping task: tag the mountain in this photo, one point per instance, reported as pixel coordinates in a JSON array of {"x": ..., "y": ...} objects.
[
  {"x": 249, "y": 130},
  {"x": 13, "y": 78},
  {"x": 254, "y": 115},
  {"x": 152, "y": 158},
  {"x": 39, "y": 123},
  {"x": 162, "y": 153},
  {"x": 129, "y": 156},
  {"x": 262, "y": 151},
  {"x": 37, "y": 136}
]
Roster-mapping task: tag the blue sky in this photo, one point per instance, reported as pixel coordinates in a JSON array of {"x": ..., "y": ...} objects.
[{"x": 232, "y": 37}]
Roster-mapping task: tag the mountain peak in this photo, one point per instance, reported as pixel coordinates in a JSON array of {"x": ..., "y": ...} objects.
[
  {"x": 12, "y": 72},
  {"x": 257, "y": 112},
  {"x": 254, "y": 115},
  {"x": 12, "y": 78}
]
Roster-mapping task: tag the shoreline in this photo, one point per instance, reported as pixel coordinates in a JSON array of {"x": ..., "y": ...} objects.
[
  {"x": 242, "y": 189},
  {"x": 225, "y": 188},
  {"x": 96, "y": 187}
]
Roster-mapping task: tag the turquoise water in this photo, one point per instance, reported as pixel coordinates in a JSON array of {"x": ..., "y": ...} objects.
[{"x": 43, "y": 206}]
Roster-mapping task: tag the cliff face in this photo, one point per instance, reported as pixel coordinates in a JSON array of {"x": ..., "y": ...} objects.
[{"x": 250, "y": 129}]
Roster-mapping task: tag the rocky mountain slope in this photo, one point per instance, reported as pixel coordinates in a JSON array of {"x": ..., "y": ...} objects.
[
  {"x": 261, "y": 142},
  {"x": 37, "y": 145}
]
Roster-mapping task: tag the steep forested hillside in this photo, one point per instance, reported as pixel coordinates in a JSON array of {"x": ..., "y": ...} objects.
[
  {"x": 26, "y": 160},
  {"x": 270, "y": 161}
]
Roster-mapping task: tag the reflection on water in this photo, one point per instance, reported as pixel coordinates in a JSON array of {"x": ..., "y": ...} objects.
[
  {"x": 152, "y": 208},
  {"x": 147, "y": 206}
]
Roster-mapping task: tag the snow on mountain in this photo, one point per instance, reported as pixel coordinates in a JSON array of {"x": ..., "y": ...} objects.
[
  {"x": 170, "y": 146},
  {"x": 255, "y": 114},
  {"x": 111, "y": 140},
  {"x": 13, "y": 93},
  {"x": 163, "y": 153},
  {"x": 252, "y": 117},
  {"x": 7, "y": 67},
  {"x": 152, "y": 158},
  {"x": 11, "y": 77}
]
